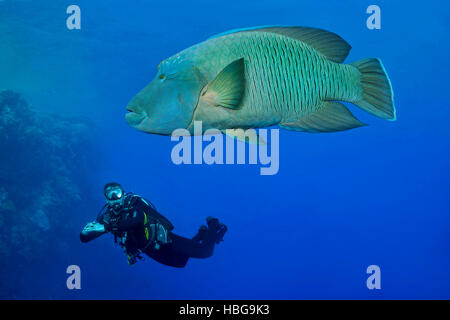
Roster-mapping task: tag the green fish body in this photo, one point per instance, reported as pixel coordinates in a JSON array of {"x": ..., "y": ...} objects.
[{"x": 287, "y": 76}]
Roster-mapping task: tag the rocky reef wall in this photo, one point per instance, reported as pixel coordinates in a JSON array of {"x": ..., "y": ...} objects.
[{"x": 45, "y": 169}]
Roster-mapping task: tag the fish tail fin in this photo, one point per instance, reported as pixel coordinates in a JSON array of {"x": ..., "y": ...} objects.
[{"x": 377, "y": 96}]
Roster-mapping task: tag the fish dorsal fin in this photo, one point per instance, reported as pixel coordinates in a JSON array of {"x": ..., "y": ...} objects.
[
  {"x": 329, "y": 44},
  {"x": 259, "y": 28},
  {"x": 227, "y": 89},
  {"x": 332, "y": 116}
]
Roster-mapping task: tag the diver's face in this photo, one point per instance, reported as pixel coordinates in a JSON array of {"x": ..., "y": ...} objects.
[{"x": 114, "y": 197}]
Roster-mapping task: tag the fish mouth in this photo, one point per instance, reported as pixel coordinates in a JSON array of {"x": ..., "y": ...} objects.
[{"x": 133, "y": 117}]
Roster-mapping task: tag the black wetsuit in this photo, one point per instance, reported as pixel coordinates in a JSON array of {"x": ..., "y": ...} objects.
[{"x": 135, "y": 229}]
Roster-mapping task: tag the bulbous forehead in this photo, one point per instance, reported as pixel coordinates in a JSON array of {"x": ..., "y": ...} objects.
[{"x": 175, "y": 63}]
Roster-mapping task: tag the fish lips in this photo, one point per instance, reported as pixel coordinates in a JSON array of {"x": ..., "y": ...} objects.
[
  {"x": 134, "y": 118},
  {"x": 140, "y": 120},
  {"x": 162, "y": 123}
]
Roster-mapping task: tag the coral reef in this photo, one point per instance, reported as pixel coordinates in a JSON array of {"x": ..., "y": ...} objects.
[{"x": 43, "y": 168}]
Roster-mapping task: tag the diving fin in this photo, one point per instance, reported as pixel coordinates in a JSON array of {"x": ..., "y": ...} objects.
[
  {"x": 200, "y": 236},
  {"x": 227, "y": 89},
  {"x": 218, "y": 228}
]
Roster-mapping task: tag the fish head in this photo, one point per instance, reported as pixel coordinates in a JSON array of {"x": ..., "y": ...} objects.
[{"x": 169, "y": 100}]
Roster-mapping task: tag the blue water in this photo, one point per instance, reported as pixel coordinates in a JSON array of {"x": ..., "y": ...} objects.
[{"x": 377, "y": 195}]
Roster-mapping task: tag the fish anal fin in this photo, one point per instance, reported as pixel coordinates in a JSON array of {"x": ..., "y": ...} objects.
[
  {"x": 227, "y": 89},
  {"x": 332, "y": 116}
]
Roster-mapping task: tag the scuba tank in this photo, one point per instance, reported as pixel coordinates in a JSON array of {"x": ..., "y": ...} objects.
[{"x": 154, "y": 216}]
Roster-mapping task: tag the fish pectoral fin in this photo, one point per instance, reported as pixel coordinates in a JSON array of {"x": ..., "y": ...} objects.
[
  {"x": 250, "y": 137},
  {"x": 227, "y": 89},
  {"x": 332, "y": 116}
]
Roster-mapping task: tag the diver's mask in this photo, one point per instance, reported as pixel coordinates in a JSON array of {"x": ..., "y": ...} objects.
[{"x": 115, "y": 196}]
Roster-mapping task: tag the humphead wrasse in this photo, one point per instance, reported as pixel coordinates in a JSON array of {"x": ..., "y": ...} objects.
[{"x": 292, "y": 77}]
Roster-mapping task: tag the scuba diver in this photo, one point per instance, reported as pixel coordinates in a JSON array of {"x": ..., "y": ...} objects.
[{"x": 140, "y": 229}]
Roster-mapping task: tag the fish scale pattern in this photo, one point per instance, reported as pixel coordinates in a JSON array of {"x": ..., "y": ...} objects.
[{"x": 286, "y": 78}]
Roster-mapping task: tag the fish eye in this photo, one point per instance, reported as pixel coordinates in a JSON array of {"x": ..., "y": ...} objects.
[{"x": 162, "y": 76}]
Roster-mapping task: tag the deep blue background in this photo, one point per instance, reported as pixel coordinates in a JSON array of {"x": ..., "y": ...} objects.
[{"x": 340, "y": 202}]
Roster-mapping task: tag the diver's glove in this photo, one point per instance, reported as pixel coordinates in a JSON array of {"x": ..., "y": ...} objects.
[
  {"x": 91, "y": 231},
  {"x": 94, "y": 227}
]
